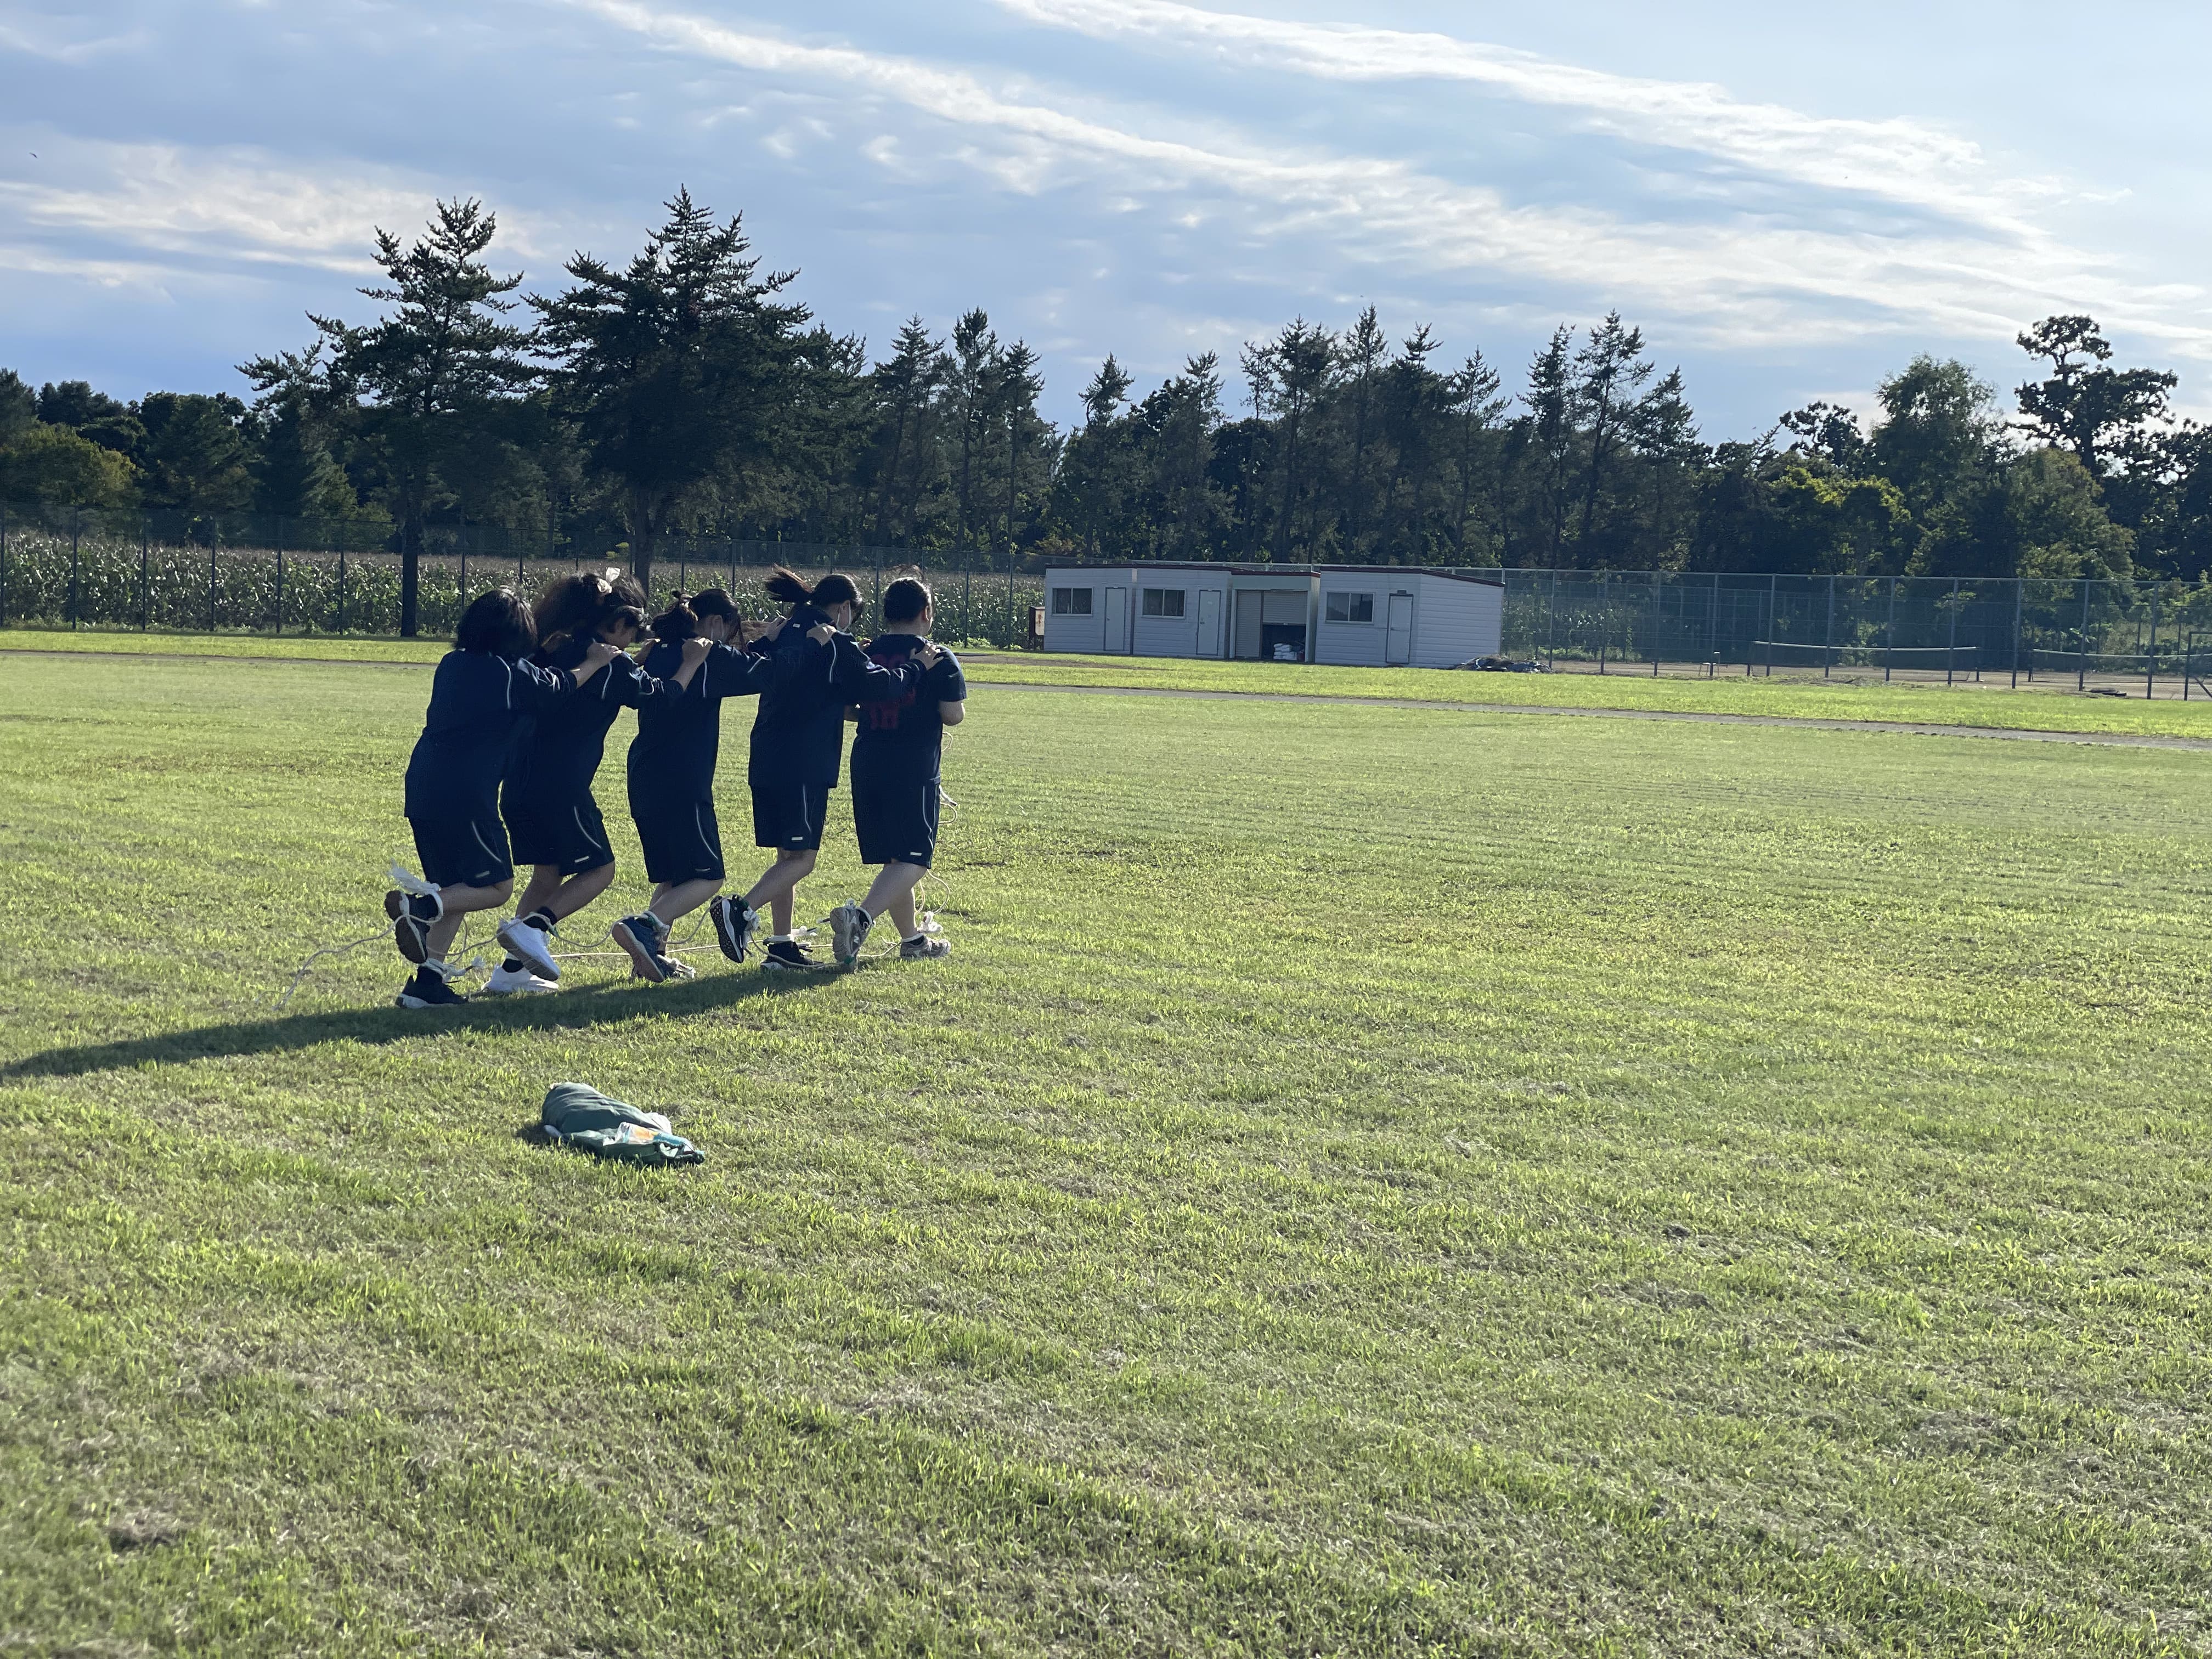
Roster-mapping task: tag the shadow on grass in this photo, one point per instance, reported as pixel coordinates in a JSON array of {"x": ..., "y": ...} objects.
[{"x": 565, "y": 1011}]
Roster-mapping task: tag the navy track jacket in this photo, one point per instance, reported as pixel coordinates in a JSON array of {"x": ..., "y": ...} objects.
[
  {"x": 680, "y": 739},
  {"x": 481, "y": 706},
  {"x": 560, "y": 755},
  {"x": 798, "y": 736}
]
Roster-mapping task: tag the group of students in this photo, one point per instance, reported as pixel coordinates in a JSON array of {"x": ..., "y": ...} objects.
[{"x": 518, "y": 723}]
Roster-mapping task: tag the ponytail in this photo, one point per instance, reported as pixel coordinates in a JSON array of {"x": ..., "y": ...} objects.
[
  {"x": 835, "y": 588},
  {"x": 676, "y": 624},
  {"x": 680, "y": 621},
  {"x": 787, "y": 587}
]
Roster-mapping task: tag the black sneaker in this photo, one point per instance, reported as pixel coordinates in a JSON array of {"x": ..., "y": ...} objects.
[
  {"x": 788, "y": 954},
  {"x": 642, "y": 936},
  {"x": 428, "y": 989},
  {"x": 411, "y": 915},
  {"x": 735, "y": 921},
  {"x": 924, "y": 947}
]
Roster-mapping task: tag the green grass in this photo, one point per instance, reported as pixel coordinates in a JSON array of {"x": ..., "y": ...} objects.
[
  {"x": 1369, "y": 1180},
  {"x": 2047, "y": 706}
]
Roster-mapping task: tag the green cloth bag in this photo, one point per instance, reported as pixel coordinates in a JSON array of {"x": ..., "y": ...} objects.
[{"x": 577, "y": 1115}]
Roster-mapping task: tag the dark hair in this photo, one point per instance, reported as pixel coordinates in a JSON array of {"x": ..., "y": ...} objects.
[
  {"x": 571, "y": 605},
  {"x": 620, "y": 616},
  {"x": 905, "y": 599},
  {"x": 835, "y": 588},
  {"x": 680, "y": 621},
  {"x": 498, "y": 622}
]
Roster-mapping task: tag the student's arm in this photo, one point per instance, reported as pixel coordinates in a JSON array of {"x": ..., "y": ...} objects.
[
  {"x": 951, "y": 690},
  {"x": 863, "y": 679},
  {"x": 728, "y": 672}
]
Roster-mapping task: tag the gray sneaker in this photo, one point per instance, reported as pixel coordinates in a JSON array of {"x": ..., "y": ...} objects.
[
  {"x": 848, "y": 931},
  {"x": 926, "y": 948}
]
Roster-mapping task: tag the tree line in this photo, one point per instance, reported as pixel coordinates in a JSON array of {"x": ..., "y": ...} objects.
[{"x": 685, "y": 392}]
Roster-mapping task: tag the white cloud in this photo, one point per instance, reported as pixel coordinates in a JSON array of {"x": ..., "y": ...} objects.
[
  {"x": 224, "y": 207},
  {"x": 1905, "y": 161},
  {"x": 42, "y": 38},
  {"x": 1748, "y": 281}
]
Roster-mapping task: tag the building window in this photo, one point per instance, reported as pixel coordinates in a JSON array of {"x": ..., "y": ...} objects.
[
  {"x": 1070, "y": 601},
  {"x": 1163, "y": 602},
  {"x": 1351, "y": 607}
]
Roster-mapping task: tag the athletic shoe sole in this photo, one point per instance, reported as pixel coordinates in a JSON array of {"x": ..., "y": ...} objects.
[
  {"x": 409, "y": 1000},
  {"x": 529, "y": 944},
  {"x": 777, "y": 964},
  {"x": 408, "y": 932},
  {"x": 735, "y": 938},
  {"x": 641, "y": 958},
  {"x": 938, "y": 952},
  {"x": 849, "y": 933}
]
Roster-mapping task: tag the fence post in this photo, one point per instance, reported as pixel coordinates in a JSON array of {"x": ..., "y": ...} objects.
[
  {"x": 461, "y": 593},
  {"x": 1889, "y": 634},
  {"x": 967, "y": 612},
  {"x": 2019, "y": 610},
  {"x": 1828, "y": 641},
  {"x": 280, "y": 575},
  {"x": 2150, "y": 661},
  {"x": 215, "y": 541},
  {"x": 1551, "y": 598},
  {"x": 2082, "y": 657},
  {"x": 3, "y": 562},
  {"x": 75, "y": 517},
  {"x": 1604, "y": 620},
  {"x": 1773, "y": 593},
  {"x": 145, "y": 574},
  {"x": 1713, "y": 627},
  {"x": 1951, "y": 646},
  {"x": 1658, "y": 610},
  {"x": 341, "y": 584}
]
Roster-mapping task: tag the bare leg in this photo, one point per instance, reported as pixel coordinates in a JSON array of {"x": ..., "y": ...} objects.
[
  {"x": 574, "y": 894},
  {"x": 901, "y": 915},
  {"x": 893, "y": 895},
  {"x": 544, "y": 883},
  {"x": 460, "y": 903},
  {"x": 673, "y": 901},
  {"x": 775, "y": 889}
]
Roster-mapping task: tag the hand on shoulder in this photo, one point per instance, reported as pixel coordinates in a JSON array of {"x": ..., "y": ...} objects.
[
  {"x": 822, "y": 634},
  {"x": 696, "y": 647}
]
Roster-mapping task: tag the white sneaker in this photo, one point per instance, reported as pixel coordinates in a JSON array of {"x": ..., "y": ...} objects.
[
  {"x": 516, "y": 981},
  {"x": 530, "y": 944}
]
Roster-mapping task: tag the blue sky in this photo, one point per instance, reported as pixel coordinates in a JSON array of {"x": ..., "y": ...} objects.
[{"x": 1790, "y": 205}]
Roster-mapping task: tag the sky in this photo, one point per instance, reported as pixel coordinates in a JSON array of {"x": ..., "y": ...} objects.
[{"x": 1790, "y": 201}]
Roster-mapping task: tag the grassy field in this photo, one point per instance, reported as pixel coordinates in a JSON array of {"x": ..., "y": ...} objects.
[
  {"x": 2046, "y": 706},
  {"x": 1372, "y": 1179}
]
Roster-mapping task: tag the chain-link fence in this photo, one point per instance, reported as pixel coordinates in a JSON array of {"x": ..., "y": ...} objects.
[
  {"x": 2149, "y": 636},
  {"x": 252, "y": 574},
  {"x": 63, "y": 567}
]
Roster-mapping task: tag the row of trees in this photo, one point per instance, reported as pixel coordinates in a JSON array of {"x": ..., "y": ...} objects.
[{"x": 685, "y": 392}]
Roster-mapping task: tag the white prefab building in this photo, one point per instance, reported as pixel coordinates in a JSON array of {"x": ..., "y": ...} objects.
[{"x": 1374, "y": 615}]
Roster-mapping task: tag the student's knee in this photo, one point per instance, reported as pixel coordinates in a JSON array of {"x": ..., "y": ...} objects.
[
  {"x": 501, "y": 891},
  {"x": 799, "y": 860}
]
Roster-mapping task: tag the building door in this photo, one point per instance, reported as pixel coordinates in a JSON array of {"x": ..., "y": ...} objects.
[
  {"x": 1117, "y": 622},
  {"x": 1249, "y": 604},
  {"x": 1398, "y": 638},
  {"x": 1209, "y": 622}
]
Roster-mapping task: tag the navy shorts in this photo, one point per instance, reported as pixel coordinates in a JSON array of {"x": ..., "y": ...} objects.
[
  {"x": 788, "y": 815},
  {"x": 463, "y": 849},
  {"x": 681, "y": 839},
  {"x": 568, "y": 834},
  {"x": 895, "y": 819}
]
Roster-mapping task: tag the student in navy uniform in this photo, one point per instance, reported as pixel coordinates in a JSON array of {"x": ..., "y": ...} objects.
[
  {"x": 551, "y": 813},
  {"x": 896, "y": 761},
  {"x": 672, "y": 770},
  {"x": 815, "y": 668},
  {"x": 481, "y": 697}
]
